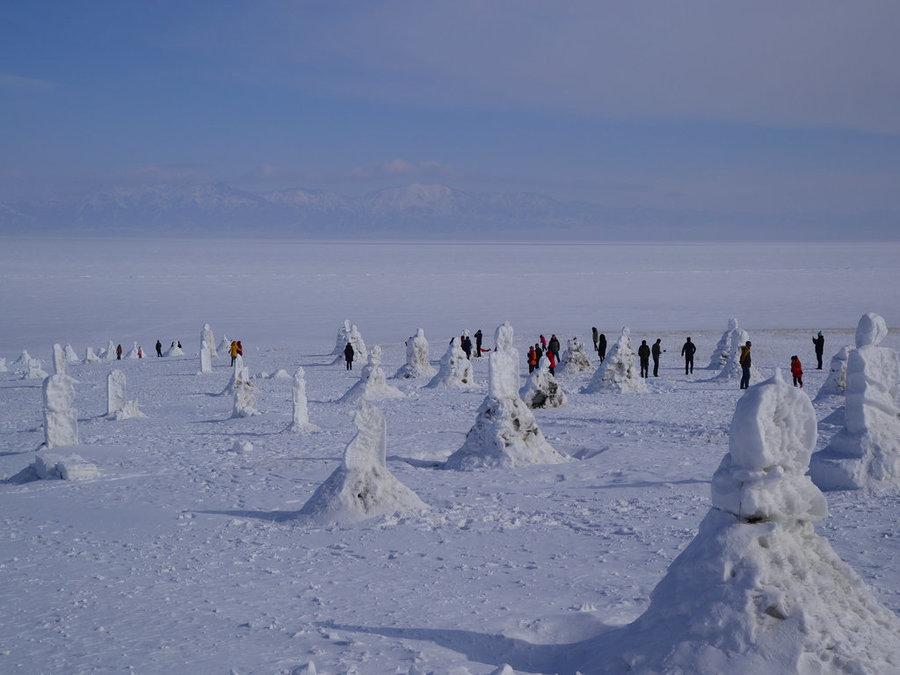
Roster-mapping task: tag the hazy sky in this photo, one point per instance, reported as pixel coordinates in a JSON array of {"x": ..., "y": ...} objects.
[{"x": 768, "y": 107}]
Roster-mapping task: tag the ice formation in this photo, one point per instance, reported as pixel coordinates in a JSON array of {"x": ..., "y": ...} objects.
[
  {"x": 343, "y": 337},
  {"x": 205, "y": 361},
  {"x": 456, "y": 370},
  {"x": 60, "y": 416},
  {"x": 90, "y": 356},
  {"x": 300, "y": 422},
  {"x": 133, "y": 352},
  {"x": 836, "y": 383},
  {"x": 225, "y": 346},
  {"x": 757, "y": 590},
  {"x": 362, "y": 487},
  {"x": 70, "y": 354},
  {"x": 542, "y": 390},
  {"x": 866, "y": 452},
  {"x": 174, "y": 349},
  {"x": 115, "y": 392},
  {"x": 244, "y": 394},
  {"x": 60, "y": 363},
  {"x": 732, "y": 369},
  {"x": 110, "y": 352},
  {"x": 49, "y": 466},
  {"x": 505, "y": 433},
  {"x": 723, "y": 346},
  {"x": 372, "y": 384},
  {"x": 209, "y": 339},
  {"x": 129, "y": 411},
  {"x": 350, "y": 333},
  {"x": 417, "y": 363},
  {"x": 29, "y": 367},
  {"x": 574, "y": 359},
  {"x": 23, "y": 360},
  {"x": 617, "y": 372}
]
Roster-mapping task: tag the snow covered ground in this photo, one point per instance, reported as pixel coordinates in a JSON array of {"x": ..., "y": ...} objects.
[{"x": 184, "y": 555}]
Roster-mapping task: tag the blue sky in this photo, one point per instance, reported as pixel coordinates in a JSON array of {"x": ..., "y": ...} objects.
[{"x": 762, "y": 107}]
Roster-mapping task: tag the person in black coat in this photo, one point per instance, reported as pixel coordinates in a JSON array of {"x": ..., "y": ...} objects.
[
  {"x": 348, "y": 356},
  {"x": 644, "y": 356},
  {"x": 466, "y": 344},
  {"x": 539, "y": 353},
  {"x": 594, "y": 335},
  {"x": 687, "y": 351},
  {"x": 655, "y": 351},
  {"x": 601, "y": 347},
  {"x": 158, "y": 348},
  {"x": 554, "y": 346},
  {"x": 478, "y": 338},
  {"x": 819, "y": 342}
]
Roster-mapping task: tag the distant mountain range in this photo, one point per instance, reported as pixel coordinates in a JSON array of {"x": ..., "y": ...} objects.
[{"x": 414, "y": 211}]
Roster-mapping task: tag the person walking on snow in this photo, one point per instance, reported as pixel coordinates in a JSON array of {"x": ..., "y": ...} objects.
[
  {"x": 119, "y": 353},
  {"x": 601, "y": 347},
  {"x": 797, "y": 371},
  {"x": 140, "y": 352},
  {"x": 687, "y": 351},
  {"x": 551, "y": 361},
  {"x": 746, "y": 361},
  {"x": 158, "y": 348},
  {"x": 348, "y": 356},
  {"x": 644, "y": 355},
  {"x": 479, "y": 336},
  {"x": 466, "y": 344},
  {"x": 554, "y": 346},
  {"x": 538, "y": 354},
  {"x": 656, "y": 350},
  {"x": 819, "y": 342},
  {"x": 543, "y": 343},
  {"x": 532, "y": 359},
  {"x": 233, "y": 352}
]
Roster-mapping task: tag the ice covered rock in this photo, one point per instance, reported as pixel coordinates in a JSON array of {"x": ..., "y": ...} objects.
[
  {"x": 757, "y": 590},
  {"x": 244, "y": 394},
  {"x": 456, "y": 370},
  {"x": 300, "y": 422},
  {"x": 836, "y": 383},
  {"x": 505, "y": 434},
  {"x": 417, "y": 363},
  {"x": 51, "y": 466},
  {"x": 115, "y": 392},
  {"x": 70, "y": 354},
  {"x": 541, "y": 390},
  {"x": 205, "y": 360},
  {"x": 60, "y": 363},
  {"x": 90, "y": 356},
  {"x": 732, "y": 369},
  {"x": 110, "y": 352},
  {"x": 60, "y": 416},
  {"x": 208, "y": 338},
  {"x": 866, "y": 452},
  {"x": 723, "y": 346},
  {"x": 617, "y": 372},
  {"x": 372, "y": 384},
  {"x": 574, "y": 359},
  {"x": 362, "y": 487},
  {"x": 134, "y": 352}
]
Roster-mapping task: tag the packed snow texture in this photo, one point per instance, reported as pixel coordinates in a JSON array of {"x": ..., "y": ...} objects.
[
  {"x": 60, "y": 416},
  {"x": 836, "y": 384},
  {"x": 90, "y": 356},
  {"x": 175, "y": 350},
  {"x": 208, "y": 339},
  {"x": 617, "y": 373},
  {"x": 115, "y": 392},
  {"x": 574, "y": 359},
  {"x": 732, "y": 369},
  {"x": 244, "y": 402},
  {"x": 59, "y": 360},
  {"x": 417, "y": 363},
  {"x": 372, "y": 384},
  {"x": 205, "y": 360},
  {"x": 506, "y": 433},
  {"x": 130, "y": 410},
  {"x": 70, "y": 354},
  {"x": 455, "y": 371},
  {"x": 350, "y": 333},
  {"x": 757, "y": 590},
  {"x": 50, "y": 466},
  {"x": 300, "y": 418},
  {"x": 720, "y": 354},
  {"x": 362, "y": 487},
  {"x": 343, "y": 337},
  {"x": 866, "y": 452},
  {"x": 542, "y": 390},
  {"x": 110, "y": 352}
]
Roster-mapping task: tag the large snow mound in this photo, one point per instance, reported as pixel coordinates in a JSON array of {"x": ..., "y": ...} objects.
[
  {"x": 542, "y": 390},
  {"x": 362, "y": 487},
  {"x": 574, "y": 359},
  {"x": 49, "y": 466},
  {"x": 836, "y": 383},
  {"x": 417, "y": 363},
  {"x": 456, "y": 370},
  {"x": 617, "y": 372},
  {"x": 720, "y": 354},
  {"x": 372, "y": 384},
  {"x": 866, "y": 452},
  {"x": 732, "y": 369},
  {"x": 757, "y": 590}
]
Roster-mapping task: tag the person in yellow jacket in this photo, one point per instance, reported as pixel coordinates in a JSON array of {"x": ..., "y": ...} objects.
[
  {"x": 233, "y": 351},
  {"x": 745, "y": 362}
]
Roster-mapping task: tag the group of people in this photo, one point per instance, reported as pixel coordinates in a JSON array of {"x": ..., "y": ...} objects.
[
  {"x": 543, "y": 347},
  {"x": 159, "y": 351},
  {"x": 465, "y": 343}
]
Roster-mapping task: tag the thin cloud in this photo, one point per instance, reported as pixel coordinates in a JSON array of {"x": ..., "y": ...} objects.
[{"x": 19, "y": 83}]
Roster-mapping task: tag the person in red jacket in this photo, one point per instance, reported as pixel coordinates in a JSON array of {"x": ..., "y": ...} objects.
[
  {"x": 551, "y": 360},
  {"x": 532, "y": 359},
  {"x": 797, "y": 371}
]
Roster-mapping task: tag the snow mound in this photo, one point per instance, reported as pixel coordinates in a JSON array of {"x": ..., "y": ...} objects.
[
  {"x": 372, "y": 384},
  {"x": 224, "y": 347},
  {"x": 456, "y": 370},
  {"x": 542, "y": 390},
  {"x": 417, "y": 363},
  {"x": 50, "y": 466},
  {"x": 757, "y": 590},
  {"x": 241, "y": 447},
  {"x": 866, "y": 452},
  {"x": 23, "y": 360},
  {"x": 343, "y": 337},
  {"x": 350, "y": 333},
  {"x": 174, "y": 350},
  {"x": 723, "y": 347},
  {"x": 34, "y": 370},
  {"x": 110, "y": 352},
  {"x": 836, "y": 383},
  {"x": 60, "y": 416},
  {"x": 133, "y": 352},
  {"x": 575, "y": 359},
  {"x": 617, "y": 372},
  {"x": 300, "y": 420},
  {"x": 208, "y": 339},
  {"x": 732, "y": 368},
  {"x": 362, "y": 487},
  {"x": 129, "y": 411},
  {"x": 70, "y": 354},
  {"x": 244, "y": 395},
  {"x": 280, "y": 374},
  {"x": 505, "y": 433},
  {"x": 90, "y": 356}
]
